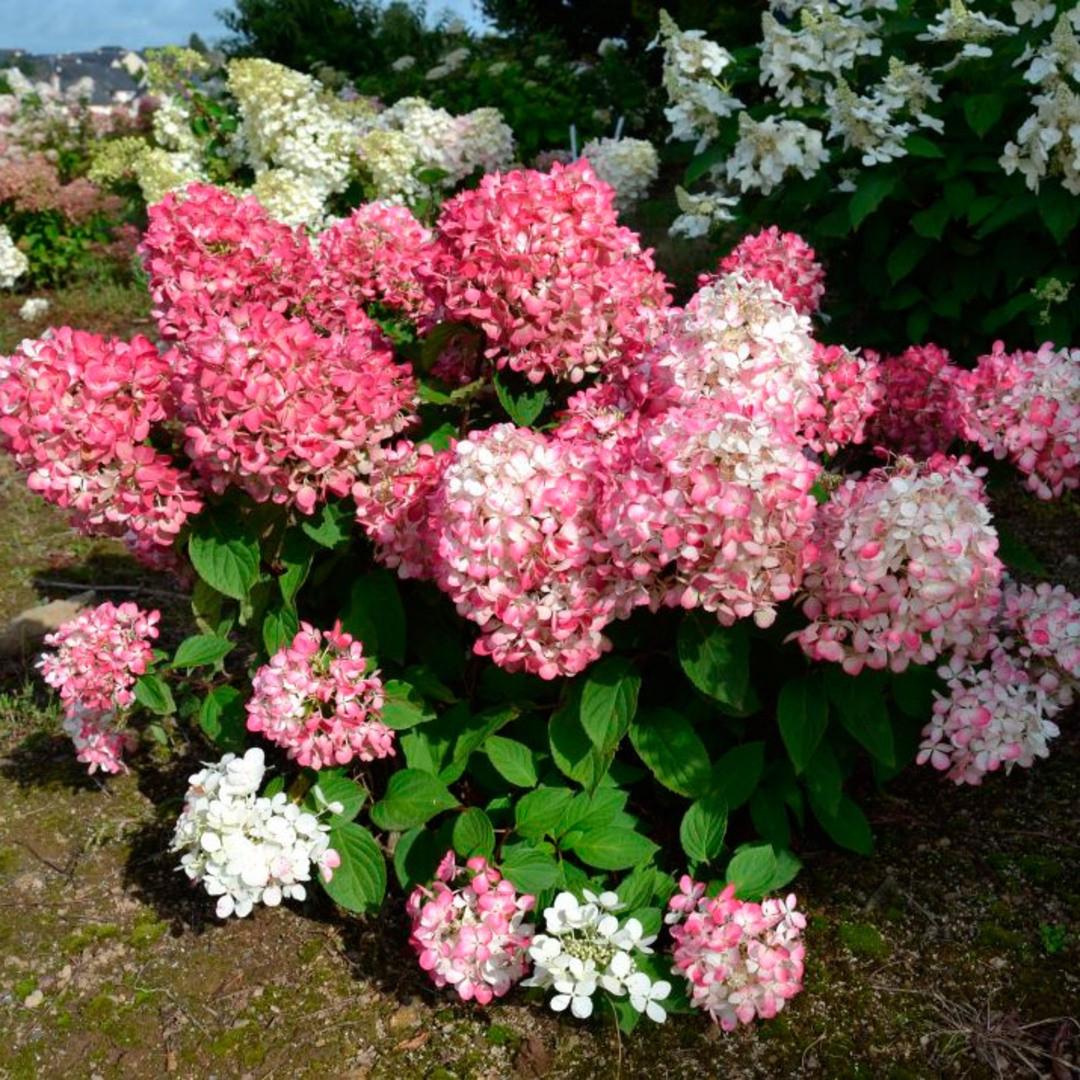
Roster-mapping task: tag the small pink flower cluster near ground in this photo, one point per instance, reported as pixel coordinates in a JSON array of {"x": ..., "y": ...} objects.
[
  {"x": 783, "y": 259},
  {"x": 1000, "y": 714},
  {"x": 468, "y": 929},
  {"x": 316, "y": 698},
  {"x": 741, "y": 960},
  {"x": 96, "y": 660}
]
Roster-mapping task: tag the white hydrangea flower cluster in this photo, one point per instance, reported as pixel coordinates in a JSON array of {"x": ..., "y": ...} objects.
[
  {"x": 246, "y": 849},
  {"x": 698, "y": 213},
  {"x": 699, "y": 98},
  {"x": 13, "y": 263},
  {"x": 630, "y": 166},
  {"x": 37, "y": 307},
  {"x": 450, "y": 63},
  {"x": 586, "y": 949},
  {"x": 768, "y": 149},
  {"x": 1048, "y": 141},
  {"x": 971, "y": 29}
]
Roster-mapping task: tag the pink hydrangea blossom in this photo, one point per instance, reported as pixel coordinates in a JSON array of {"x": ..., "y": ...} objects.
[
  {"x": 372, "y": 256},
  {"x": 711, "y": 507},
  {"x": 468, "y": 929},
  {"x": 98, "y": 657},
  {"x": 1025, "y": 406},
  {"x": 741, "y": 960},
  {"x": 907, "y": 568},
  {"x": 393, "y": 506},
  {"x": 923, "y": 402},
  {"x": 1045, "y": 622},
  {"x": 99, "y": 740},
  {"x": 520, "y": 550},
  {"x": 539, "y": 262},
  {"x": 851, "y": 393},
  {"x": 76, "y": 413},
  {"x": 317, "y": 699},
  {"x": 206, "y": 251},
  {"x": 783, "y": 259},
  {"x": 284, "y": 413}
]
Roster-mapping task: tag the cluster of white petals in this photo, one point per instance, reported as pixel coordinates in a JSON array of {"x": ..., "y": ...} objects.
[
  {"x": 13, "y": 263},
  {"x": 630, "y": 166}
]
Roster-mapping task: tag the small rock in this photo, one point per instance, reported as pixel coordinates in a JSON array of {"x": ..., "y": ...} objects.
[
  {"x": 22, "y": 634},
  {"x": 33, "y": 999}
]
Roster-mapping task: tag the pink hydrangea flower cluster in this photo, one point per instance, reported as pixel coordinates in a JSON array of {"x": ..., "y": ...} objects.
[
  {"x": 392, "y": 506},
  {"x": 907, "y": 568},
  {"x": 468, "y": 929},
  {"x": 32, "y": 185},
  {"x": 923, "y": 404},
  {"x": 520, "y": 551},
  {"x": 539, "y": 262},
  {"x": 851, "y": 392},
  {"x": 1045, "y": 622},
  {"x": 282, "y": 412},
  {"x": 1026, "y": 406},
  {"x": 317, "y": 699},
  {"x": 711, "y": 507},
  {"x": 76, "y": 411},
  {"x": 783, "y": 259},
  {"x": 741, "y": 960},
  {"x": 373, "y": 256},
  {"x": 206, "y": 250},
  {"x": 96, "y": 660}
]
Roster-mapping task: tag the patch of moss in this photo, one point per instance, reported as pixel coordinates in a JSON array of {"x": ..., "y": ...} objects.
[
  {"x": 82, "y": 939},
  {"x": 147, "y": 931},
  {"x": 309, "y": 951},
  {"x": 993, "y": 936},
  {"x": 9, "y": 859},
  {"x": 240, "y": 1044},
  {"x": 1040, "y": 870},
  {"x": 25, "y": 987},
  {"x": 864, "y": 940}
]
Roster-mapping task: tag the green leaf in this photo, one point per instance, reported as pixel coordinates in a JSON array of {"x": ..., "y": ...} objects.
[
  {"x": 512, "y": 760},
  {"x": 701, "y": 163},
  {"x": 905, "y": 257},
  {"x": 472, "y": 731},
  {"x": 528, "y": 869},
  {"x": 983, "y": 111},
  {"x": 609, "y": 701},
  {"x": 419, "y": 752},
  {"x": 716, "y": 658},
  {"x": 572, "y": 750},
  {"x": 613, "y": 847},
  {"x": 874, "y": 187},
  {"x": 703, "y": 828},
  {"x": 279, "y": 627},
  {"x": 359, "y": 883},
  {"x": 920, "y": 146},
  {"x": 404, "y": 706},
  {"x": 736, "y": 774},
  {"x": 412, "y": 798},
  {"x": 223, "y": 718},
  {"x": 331, "y": 526},
  {"x": 803, "y": 714},
  {"x": 930, "y": 223},
  {"x": 591, "y": 811},
  {"x": 860, "y": 703},
  {"x": 474, "y": 834},
  {"x": 540, "y": 811},
  {"x": 769, "y": 817},
  {"x": 823, "y": 778},
  {"x": 225, "y": 552},
  {"x": 752, "y": 870},
  {"x": 201, "y": 649},
  {"x": 846, "y": 824},
  {"x": 295, "y": 557},
  {"x": 638, "y": 887},
  {"x": 1059, "y": 210},
  {"x": 522, "y": 406},
  {"x": 416, "y": 856},
  {"x": 375, "y": 615},
  {"x": 334, "y": 787},
  {"x": 671, "y": 748},
  {"x": 207, "y": 605},
  {"x": 153, "y": 693}
]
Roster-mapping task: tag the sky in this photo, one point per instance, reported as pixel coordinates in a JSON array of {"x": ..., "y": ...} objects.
[{"x": 50, "y": 26}]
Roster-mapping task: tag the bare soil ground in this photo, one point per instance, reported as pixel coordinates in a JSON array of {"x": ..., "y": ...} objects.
[{"x": 953, "y": 952}]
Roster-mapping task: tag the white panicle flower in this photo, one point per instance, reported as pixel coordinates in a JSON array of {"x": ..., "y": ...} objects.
[
  {"x": 1048, "y": 141},
  {"x": 13, "y": 263},
  {"x": 291, "y": 198},
  {"x": 971, "y": 29},
  {"x": 172, "y": 125},
  {"x": 1057, "y": 57},
  {"x": 768, "y": 149},
  {"x": 1035, "y": 12},
  {"x": 908, "y": 88},
  {"x": 610, "y": 45},
  {"x": 699, "y": 213},
  {"x": 692, "y": 69},
  {"x": 35, "y": 308},
  {"x": 630, "y": 166},
  {"x": 586, "y": 949},
  {"x": 245, "y": 849},
  {"x": 391, "y": 162},
  {"x": 403, "y": 63},
  {"x": 865, "y": 124}
]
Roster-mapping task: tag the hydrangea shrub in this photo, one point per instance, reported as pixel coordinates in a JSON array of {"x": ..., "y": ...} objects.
[{"x": 515, "y": 578}]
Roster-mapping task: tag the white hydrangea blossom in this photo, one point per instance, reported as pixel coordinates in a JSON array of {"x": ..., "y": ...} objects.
[
  {"x": 865, "y": 124},
  {"x": 630, "y": 166},
  {"x": 609, "y": 46},
  {"x": 768, "y": 149},
  {"x": 971, "y": 29},
  {"x": 700, "y": 212},
  {"x": 172, "y": 125},
  {"x": 37, "y": 307},
  {"x": 586, "y": 949},
  {"x": 245, "y": 849},
  {"x": 1035, "y": 12},
  {"x": 1048, "y": 141},
  {"x": 1057, "y": 58},
  {"x": 13, "y": 263},
  {"x": 403, "y": 63}
]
